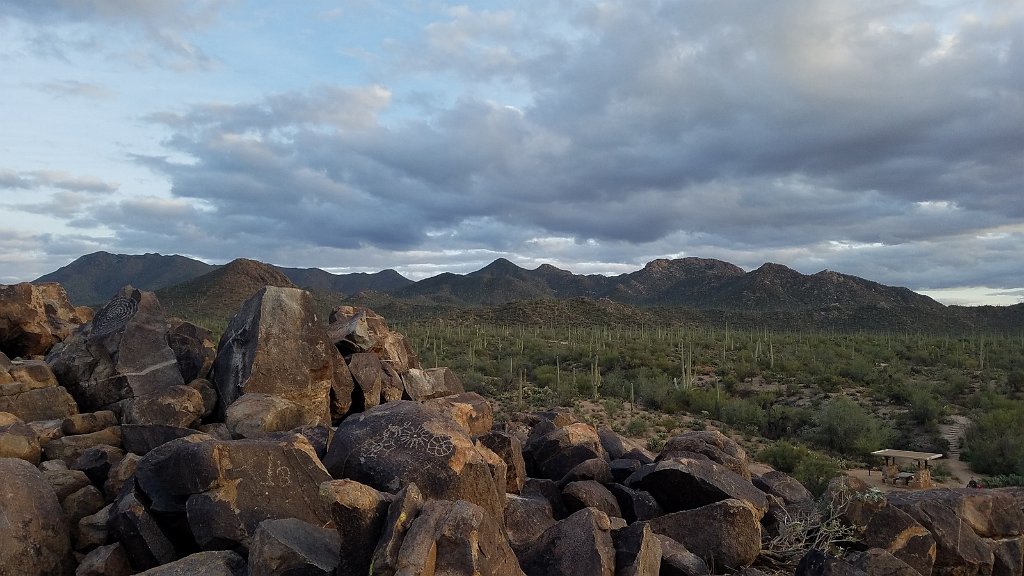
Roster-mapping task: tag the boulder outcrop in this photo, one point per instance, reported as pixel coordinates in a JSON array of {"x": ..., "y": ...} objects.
[
  {"x": 34, "y": 317},
  {"x": 276, "y": 346},
  {"x": 121, "y": 354},
  {"x": 394, "y": 444}
]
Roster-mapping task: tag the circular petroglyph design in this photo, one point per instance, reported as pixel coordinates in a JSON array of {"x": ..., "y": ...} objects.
[
  {"x": 114, "y": 315},
  {"x": 407, "y": 436}
]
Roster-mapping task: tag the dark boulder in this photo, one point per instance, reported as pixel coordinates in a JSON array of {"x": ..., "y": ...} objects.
[
  {"x": 457, "y": 539},
  {"x": 194, "y": 349},
  {"x": 111, "y": 560},
  {"x": 509, "y": 449},
  {"x": 580, "y": 545},
  {"x": 220, "y": 563},
  {"x": 228, "y": 488},
  {"x": 553, "y": 454},
  {"x": 710, "y": 444},
  {"x": 590, "y": 494},
  {"x": 818, "y": 563},
  {"x": 291, "y": 547},
  {"x": 725, "y": 534},
  {"x": 676, "y": 560},
  {"x": 401, "y": 513},
  {"x": 394, "y": 444},
  {"x": 358, "y": 512},
  {"x": 688, "y": 483},
  {"x": 637, "y": 551}
]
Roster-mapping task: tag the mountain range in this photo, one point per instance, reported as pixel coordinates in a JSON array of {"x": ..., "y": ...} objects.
[
  {"x": 93, "y": 278},
  {"x": 695, "y": 289}
]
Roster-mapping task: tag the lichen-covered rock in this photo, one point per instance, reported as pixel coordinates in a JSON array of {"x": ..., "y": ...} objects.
[
  {"x": 34, "y": 317},
  {"x": 397, "y": 443},
  {"x": 121, "y": 353},
  {"x": 276, "y": 346},
  {"x": 34, "y": 537}
]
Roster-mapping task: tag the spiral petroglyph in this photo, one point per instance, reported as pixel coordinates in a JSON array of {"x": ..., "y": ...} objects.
[{"x": 114, "y": 315}]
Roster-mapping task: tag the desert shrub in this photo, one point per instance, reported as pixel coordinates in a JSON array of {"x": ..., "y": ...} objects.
[
  {"x": 783, "y": 456},
  {"x": 846, "y": 427},
  {"x": 815, "y": 471},
  {"x": 1004, "y": 480},
  {"x": 781, "y": 421},
  {"x": 924, "y": 407},
  {"x": 637, "y": 427},
  {"x": 991, "y": 445},
  {"x": 743, "y": 414},
  {"x": 1015, "y": 381}
]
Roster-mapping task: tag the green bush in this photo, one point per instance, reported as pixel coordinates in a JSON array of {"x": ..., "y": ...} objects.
[
  {"x": 637, "y": 427},
  {"x": 846, "y": 427},
  {"x": 783, "y": 456},
  {"x": 924, "y": 407},
  {"x": 994, "y": 445},
  {"x": 815, "y": 471}
]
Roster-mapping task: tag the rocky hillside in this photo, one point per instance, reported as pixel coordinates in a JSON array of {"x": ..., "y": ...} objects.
[
  {"x": 94, "y": 278},
  {"x": 215, "y": 296},
  {"x": 294, "y": 447}
]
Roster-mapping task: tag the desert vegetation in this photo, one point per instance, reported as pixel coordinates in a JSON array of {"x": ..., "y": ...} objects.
[{"x": 814, "y": 399}]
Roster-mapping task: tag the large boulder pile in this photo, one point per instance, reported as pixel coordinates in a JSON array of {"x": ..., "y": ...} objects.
[{"x": 296, "y": 447}]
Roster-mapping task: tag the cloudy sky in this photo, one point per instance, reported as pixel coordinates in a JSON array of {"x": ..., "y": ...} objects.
[{"x": 883, "y": 139}]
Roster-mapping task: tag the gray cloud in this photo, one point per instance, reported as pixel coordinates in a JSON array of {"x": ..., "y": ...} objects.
[
  {"x": 159, "y": 30},
  {"x": 38, "y": 179},
  {"x": 881, "y": 140}
]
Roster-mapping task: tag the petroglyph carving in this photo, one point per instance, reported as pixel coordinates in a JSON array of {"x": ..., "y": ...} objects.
[
  {"x": 114, "y": 315},
  {"x": 407, "y": 436}
]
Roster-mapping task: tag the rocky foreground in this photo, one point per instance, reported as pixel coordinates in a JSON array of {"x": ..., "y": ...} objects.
[{"x": 131, "y": 443}]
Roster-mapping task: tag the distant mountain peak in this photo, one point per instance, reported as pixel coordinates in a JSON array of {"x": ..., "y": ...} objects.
[{"x": 500, "y": 266}]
